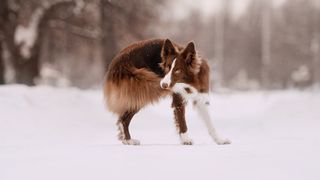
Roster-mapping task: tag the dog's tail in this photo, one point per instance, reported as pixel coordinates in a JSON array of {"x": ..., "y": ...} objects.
[{"x": 131, "y": 89}]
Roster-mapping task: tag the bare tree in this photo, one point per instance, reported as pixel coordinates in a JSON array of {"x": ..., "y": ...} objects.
[
  {"x": 219, "y": 47},
  {"x": 4, "y": 12},
  {"x": 221, "y": 21},
  {"x": 2, "y": 80},
  {"x": 315, "y": 43},
  {"x": 23, "y": 40},
  {"x": 109, "y": 44},
  {"x": 266, "y": 42}
]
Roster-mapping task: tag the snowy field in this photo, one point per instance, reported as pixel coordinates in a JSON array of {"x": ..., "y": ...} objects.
[{"x": 66, "y": 134}]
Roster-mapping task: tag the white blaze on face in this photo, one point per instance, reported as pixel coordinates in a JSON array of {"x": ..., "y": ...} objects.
[{"x": 166, "y": 81}]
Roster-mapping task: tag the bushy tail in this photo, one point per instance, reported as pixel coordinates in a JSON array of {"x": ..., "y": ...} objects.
[{"x": 131, "y": 91}]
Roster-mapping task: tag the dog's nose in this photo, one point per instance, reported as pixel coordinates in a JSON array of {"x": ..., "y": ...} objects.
[{"x": 164, "y": 85}]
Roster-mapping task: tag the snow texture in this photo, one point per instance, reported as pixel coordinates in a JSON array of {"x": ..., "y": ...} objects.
[{"x": 65, "y": 133}]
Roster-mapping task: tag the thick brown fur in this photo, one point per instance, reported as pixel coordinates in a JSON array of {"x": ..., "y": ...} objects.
[{"x": 133, "y": 77}]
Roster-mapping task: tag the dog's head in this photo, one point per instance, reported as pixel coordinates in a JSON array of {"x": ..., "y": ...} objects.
[{"x": 180, "y": 66}]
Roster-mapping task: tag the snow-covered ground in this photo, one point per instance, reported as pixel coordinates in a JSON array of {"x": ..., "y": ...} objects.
[{"x": 49, "y": 134}]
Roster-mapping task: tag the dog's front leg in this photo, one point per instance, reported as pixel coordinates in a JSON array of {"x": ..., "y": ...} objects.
[
  {"x": 201, "y": 105},
  {"x": 201, "y": 101},
  {"x": 178, "y": 105}
]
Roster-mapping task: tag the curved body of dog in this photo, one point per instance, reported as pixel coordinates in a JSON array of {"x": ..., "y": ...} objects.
[{"x": 145, "y": 72}]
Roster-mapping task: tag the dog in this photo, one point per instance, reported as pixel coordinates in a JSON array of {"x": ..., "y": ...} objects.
[{"x": 149, "y": 70}]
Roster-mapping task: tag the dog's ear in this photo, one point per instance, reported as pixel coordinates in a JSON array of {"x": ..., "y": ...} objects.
[
  {"x": 167, "y": 49},
  {"x": 189, "y": 53}
]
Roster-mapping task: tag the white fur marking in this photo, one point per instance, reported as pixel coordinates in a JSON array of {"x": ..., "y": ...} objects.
[
  {"x": 184, "y": 138},
  {"x": 194, "y": 95},
  {"x": 167, "y": 77},
  {"x": 131, "y": 142},
  {"x": 180, "y": 89},
  {"x": 202, "y": 100}
]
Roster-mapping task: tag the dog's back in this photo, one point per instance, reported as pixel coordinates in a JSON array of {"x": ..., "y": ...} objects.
[{"x": 143, "y": 54}]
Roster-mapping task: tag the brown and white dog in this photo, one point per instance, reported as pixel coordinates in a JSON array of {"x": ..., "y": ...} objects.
[{"x": 148, "y": 70}]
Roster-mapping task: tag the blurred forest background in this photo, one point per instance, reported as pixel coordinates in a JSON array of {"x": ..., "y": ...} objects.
[{"x": 250, "y": 44}]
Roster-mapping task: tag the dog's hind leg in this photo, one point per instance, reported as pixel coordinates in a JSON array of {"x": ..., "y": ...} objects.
[
  {"x": 178, "y": 105},
  {"x": 123, "y": 124}
]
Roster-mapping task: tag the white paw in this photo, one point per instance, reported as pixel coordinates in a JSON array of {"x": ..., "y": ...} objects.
[
  {"x": 223, "y": 141},
  {"x": 131, "y": 142},
  {"x": 185, "y": 140}
]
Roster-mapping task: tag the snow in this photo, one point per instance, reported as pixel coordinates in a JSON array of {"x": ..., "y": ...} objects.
[
  {"x": 66, "y": 133},
  {"x": 50, "y": 76},
  {"x": 26, "y": 36},
  {"x": 80, "y": 4},
  {"x": 302, "y": 74}
]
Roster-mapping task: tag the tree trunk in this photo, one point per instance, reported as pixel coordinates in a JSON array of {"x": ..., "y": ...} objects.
[
  {"x": 2, "y": 81},
  {"x": 109, "y": 45},
  {"x": 4, "y": 15},
  {"x": 219, "y": 47},
  {"x": 266, "y": 43},
  {"x": 315, "y": 45},
  {"x": 27, "y": 69},
  {"x": 26, "y": 59},
  {"x": 221, "y": 26}
]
